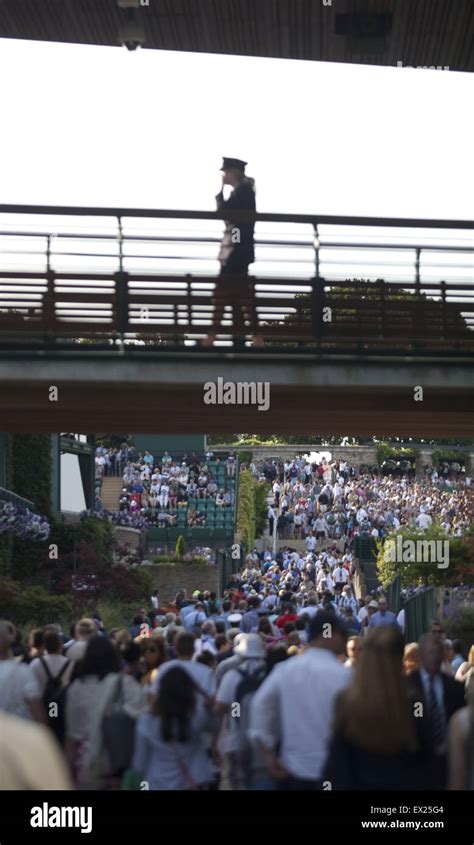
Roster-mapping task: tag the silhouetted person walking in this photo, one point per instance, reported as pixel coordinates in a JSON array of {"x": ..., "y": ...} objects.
[{"x": 237, "y": 247}]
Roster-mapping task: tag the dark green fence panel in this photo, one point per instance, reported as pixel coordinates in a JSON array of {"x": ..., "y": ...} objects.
[{"x": 420, "y": 611}]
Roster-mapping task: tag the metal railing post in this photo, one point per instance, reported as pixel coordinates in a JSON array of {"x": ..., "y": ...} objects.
[
  {"x": 318, "y": 299},
  {"x": 444, "y": 315},
  {"x": 121, "y": 288},
  {"x": 49, "y": 311}
]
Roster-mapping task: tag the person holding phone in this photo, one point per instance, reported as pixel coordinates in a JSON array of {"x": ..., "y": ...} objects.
[{"x": 237, "y": 247}]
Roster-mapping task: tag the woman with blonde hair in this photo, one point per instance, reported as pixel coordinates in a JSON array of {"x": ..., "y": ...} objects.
[
  {"x": 375, "y": 743},
  {"x": 461, "y": 744},
  {"x": 411, "y": 658}
]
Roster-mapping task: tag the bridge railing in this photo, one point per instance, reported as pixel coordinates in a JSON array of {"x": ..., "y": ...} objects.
[{"x": 89, "y": 277}]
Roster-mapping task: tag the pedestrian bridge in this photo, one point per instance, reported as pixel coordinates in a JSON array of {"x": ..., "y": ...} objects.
[
  {"x": 105, "y": 277},
  {"x": 353, "y": 314}
]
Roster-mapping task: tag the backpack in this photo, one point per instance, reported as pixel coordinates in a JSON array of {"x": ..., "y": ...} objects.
[
  {"x": 249, "y": 760},
  {"x": 55, "y": 693}
]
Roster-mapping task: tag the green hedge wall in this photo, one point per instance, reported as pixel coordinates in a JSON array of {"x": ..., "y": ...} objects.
[
  {"x": 251, "y": 508},
  {"x": 31, "y": 466}
]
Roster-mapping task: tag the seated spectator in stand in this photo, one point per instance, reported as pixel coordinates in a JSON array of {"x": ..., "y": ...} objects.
[{"x": 191, "y": 517}]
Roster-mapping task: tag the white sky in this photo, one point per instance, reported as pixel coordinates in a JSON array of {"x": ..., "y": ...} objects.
[
  {"x": 72, "y": 494},
  {"x": 86, "y": 125}
]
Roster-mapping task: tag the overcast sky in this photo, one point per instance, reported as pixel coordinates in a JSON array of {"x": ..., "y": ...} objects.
[{"x": 88, "y": 125}]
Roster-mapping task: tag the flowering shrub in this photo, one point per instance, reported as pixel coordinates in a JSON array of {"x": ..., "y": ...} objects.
[
  {"x": 129, "y": 520},
  {"x": 21, "y": 522}
]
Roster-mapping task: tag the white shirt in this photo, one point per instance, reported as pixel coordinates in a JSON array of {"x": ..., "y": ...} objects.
[
  {"x": 340, "y": 575},
  {"x": 423, "y": 521},
  {"x": 18, "y": 685},
  {"x": 311, "y": 543},
  {"x": 295, "y": 705},
  {"x": 55, "y": 663},
  {"x": 77, "y": 649},
  {"x": 201, "y": 674}
]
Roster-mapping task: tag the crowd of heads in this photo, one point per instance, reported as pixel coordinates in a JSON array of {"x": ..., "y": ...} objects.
[
  {"x": 337, "y": 501},
  {"x": 159, "y": 488}
]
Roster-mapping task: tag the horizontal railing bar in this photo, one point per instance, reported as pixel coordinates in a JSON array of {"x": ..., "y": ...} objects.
[
  {"x": 309, "y": 244},
  {"x": 321, "y": 219}
]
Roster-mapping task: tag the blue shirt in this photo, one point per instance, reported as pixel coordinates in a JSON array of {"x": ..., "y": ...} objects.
[{"x": 378, "y": 619}]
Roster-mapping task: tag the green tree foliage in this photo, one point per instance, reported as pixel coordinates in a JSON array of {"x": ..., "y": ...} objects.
[
  {"x": 385, "y": 452},
  {"x": 251, "y": 507},
  {"x": 261, "y": 508},
  {"x": 279, "y": 440},
  {"x": 31, "y": 469},
  {"x": 24, "y": 604},
  {"x": 367, "y": 291},
  {"x": 180, "y": 550},
  {"x": 418, "y": 573}
]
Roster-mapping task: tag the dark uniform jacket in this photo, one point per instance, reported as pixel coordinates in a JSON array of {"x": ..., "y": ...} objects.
[{"x": 239, "y": 254}]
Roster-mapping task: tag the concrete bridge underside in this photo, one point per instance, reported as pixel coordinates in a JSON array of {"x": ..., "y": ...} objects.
[{"x": 160, "y": 393}]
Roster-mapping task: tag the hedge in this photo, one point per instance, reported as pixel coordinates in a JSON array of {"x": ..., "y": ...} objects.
[
  {"x": 19, "y": 604},
  {"x": 251, "y": 508},
  {"x": 386, "y": 453}
]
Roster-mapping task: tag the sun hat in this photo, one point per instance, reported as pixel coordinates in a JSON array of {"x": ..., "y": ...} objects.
[{"x": 249, "y": 646}]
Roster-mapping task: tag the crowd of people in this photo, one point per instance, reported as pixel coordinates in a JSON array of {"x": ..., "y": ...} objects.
[
  {"x": 337, "y": 501},
  {"x": 287, "y": 681},
  {"x": 279, "y": 684},
  {"x": 160, "y": 488}
]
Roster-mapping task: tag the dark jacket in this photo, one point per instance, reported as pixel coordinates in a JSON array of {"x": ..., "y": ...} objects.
[
  {"x": 241, "y": 198},
  {"x": 351, "y": 767},
  {"x": 453, "y": 697}
]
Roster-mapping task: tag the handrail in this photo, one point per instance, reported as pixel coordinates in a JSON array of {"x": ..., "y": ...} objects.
[
  {"x": 418, "y": 300},
  {"x": 14, "y": 498},
  {"x": 323, "y": 219}
]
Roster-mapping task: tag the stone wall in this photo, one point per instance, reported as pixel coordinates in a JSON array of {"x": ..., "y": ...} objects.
[
  {"x": 171, "y": 577},
  {"x": 127, "y": 536},
  {"x": 355, "y": 455},
  {"x": 352, "y": 454}
]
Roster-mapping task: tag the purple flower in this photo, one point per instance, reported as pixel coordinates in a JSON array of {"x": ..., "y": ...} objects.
[{"x": 21, "y": 522}]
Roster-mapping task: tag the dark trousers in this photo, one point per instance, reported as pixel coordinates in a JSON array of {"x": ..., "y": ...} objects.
[{"x": 232, "y": 287}]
